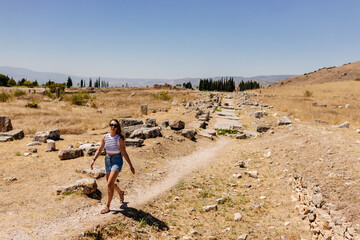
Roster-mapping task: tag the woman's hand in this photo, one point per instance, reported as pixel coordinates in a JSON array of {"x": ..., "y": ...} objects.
[
  {"x": 132, "y": 169},
  {"x": 92, "y": 164}
]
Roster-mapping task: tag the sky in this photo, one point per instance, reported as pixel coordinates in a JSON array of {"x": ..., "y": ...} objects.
[{"x": 172, "y": 39}]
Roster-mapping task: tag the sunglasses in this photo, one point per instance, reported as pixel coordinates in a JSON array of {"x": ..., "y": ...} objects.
[{"x": 113, "y": 125}]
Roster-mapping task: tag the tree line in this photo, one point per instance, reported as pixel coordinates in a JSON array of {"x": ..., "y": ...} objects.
[
  {"x": 248, "y": 85},
  {"x": 224, "y": 84},
  {"x": 5, "y": 81}
]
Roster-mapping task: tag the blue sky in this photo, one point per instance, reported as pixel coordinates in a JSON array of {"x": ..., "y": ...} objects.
[{"x": 178, "y": 38}]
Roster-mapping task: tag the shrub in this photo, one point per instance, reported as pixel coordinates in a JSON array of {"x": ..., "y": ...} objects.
[
  {"x": 307, "y": 94},
  {"x": 225, "y": 131},
  {"x": 19, "y": 93},
  {"x": 32, "y": 104},
  {"x": 357, "y": 79},
  {"x": 80, "y": 98},
  {"x": 49, "y": 94},
  {"x": 4, "y": 97},
  {"x": 163, "y": 95}
]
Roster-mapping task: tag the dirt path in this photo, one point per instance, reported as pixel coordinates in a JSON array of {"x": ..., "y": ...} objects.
[{"x": 76, "y": 223}]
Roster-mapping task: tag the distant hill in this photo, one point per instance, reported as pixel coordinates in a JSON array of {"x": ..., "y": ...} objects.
[
  {"x": 349, "y": 71},
  {"x": 43, "y": 77}
]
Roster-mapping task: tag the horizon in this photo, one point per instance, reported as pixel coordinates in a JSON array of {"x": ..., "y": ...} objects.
[{"x": 177, "y": 40}]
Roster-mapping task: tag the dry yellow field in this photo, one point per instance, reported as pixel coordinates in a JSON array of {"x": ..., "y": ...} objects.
[{"x": 297, "y": 101}]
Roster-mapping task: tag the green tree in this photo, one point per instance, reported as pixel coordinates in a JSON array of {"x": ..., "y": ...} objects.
[
  {"x": 69, "y": 82},
  {"x": 11, "y": 82},
  {"x": 90, "y": 83},
  {"x": 3, "y": 80}
]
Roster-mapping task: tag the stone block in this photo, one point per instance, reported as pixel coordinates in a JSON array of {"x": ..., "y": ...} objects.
[
  {"x": 145, "y": 133},
  {"x": 188, "y": 133},
  {"x": 86, "y": 186},
  {"x": 5, "y": 124},
  {"x": 150, "y": 122},
  {"x": 96, "y": 173},
  {"x": 70, "y": 153},
  {"x": 15, "y": 134},
  {"x": 130, "y": 129},
  {"x": 125, "y": 122},
  {"x": 177, "y": 125},
  {"x": 5, "y": 138},
  {"x": 144, "y": 109},
  {"x": 136, "y": 142},
  {"x": 43, "y": 136}
]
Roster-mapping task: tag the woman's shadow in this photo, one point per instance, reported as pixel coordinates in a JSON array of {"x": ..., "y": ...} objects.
[{"x": 140, "y": 216}]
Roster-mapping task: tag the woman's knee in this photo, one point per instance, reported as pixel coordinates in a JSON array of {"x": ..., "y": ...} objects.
[{"x": 111, "y": 185}]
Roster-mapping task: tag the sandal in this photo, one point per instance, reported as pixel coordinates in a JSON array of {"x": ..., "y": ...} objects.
[
  {"x": 105, "y": 210},
  {"x": 121, "y": 195}
]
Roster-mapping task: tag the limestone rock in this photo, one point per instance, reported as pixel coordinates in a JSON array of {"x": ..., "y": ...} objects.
[
  {"x": 51, "y": 145},
  {"x": 85, "y": 186},
  {"x": 258, "y": 114},
  {"x": 150, "y": 122},
  {"x": 31, "y": 150},
  {"x": 96, "y": 173},
  {"x": 240, "y": 136},
  {"x": 33, "y": 143},
  {"x": 136, "y": 142},
  {"x": 130, "y": 129},
  {"x": 5, "y": 138},
  {"x": 177, "y": 125},
  {"x": 253, "y": 174},
  {"x": 15, "y": 134},
  {"x": 145, "y": 133},
  {"x": 240, "y": 164},
  {"x": 70, "y": 153},
  {"x": 262, "y": 128},
  {"x": 242, "y": 237},
  {"x": 209, "y": 208},
  {"x": 164, "y": 124},
  {"x": 237, "y": 175},
  {"x": 237, "y": 217},
  {"x": 318, "y": 200},
  {"x": 284, "y": 121},
  {"x": 344, "y": 125},
  {"x": 10, "y": 179},
  {"x": 5, "y": 124},
  {"x": 90, "y": 151},
  {"x": 251, "y": 134},
  {"x": 144, "y": 109},
  {"x": 125, "y": 122},
  {"x": 205, "y": 134},
  {"x": 188, "y": 133},
  {"x": 43, "y": 136}
]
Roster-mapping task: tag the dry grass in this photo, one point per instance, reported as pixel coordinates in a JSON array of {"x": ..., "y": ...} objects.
[
  {"x": 72, "y": 119},
  {"x": 297, "y": 103}
]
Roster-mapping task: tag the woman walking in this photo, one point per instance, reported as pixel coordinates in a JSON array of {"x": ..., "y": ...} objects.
[{"x": 114, "y": 144}]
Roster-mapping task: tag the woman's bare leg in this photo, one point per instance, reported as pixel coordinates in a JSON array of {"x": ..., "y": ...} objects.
[{"x": 111, "y": 186}]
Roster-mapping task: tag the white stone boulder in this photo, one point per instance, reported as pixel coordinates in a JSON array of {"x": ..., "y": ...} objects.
[
  {"x": 86, "y": 186},
  {"x": 70, "y": 153}
]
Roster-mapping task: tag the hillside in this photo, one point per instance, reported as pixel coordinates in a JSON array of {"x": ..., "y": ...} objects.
[{"x": 349, "y": 71}]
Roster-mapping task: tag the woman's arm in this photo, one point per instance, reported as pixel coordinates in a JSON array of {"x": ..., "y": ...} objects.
[
  {"x": 98, "y": 152},
  {"x": 125, "y": 155}
]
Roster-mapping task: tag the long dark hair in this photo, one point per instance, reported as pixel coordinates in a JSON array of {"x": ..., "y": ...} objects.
[{"x": 118, "y": 129}]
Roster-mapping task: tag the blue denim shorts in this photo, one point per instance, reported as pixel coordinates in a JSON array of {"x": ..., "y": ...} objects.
[{"x": 113, "y": 163}]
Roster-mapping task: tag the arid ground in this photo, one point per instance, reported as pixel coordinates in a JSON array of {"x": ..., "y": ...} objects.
[{"x": 177, "y": 177}]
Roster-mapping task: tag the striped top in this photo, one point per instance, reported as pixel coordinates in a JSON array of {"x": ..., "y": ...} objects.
[{"x": 112, "y": 144}]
